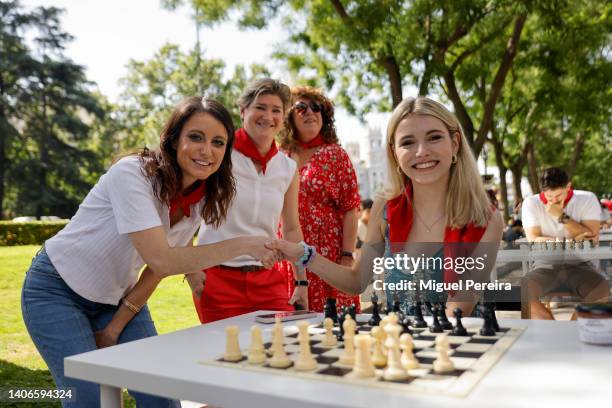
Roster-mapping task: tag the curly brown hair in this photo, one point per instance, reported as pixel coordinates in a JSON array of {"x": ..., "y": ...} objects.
[
  {"x": 288, "y": 137},
  {"x": 161, "y": 165}
]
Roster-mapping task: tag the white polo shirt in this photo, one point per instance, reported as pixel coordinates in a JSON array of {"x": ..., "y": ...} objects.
[
  {"x": 583, "y": 206},
  {"x": 93, "y": 253},
  {"x": 257, "y": 207}
]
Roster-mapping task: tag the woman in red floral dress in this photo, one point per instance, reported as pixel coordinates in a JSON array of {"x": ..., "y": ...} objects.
[{"x": 329, "y": 194}]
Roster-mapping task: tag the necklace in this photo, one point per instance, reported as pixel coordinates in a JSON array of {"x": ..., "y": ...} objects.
[{"x": 427, "y": 227}]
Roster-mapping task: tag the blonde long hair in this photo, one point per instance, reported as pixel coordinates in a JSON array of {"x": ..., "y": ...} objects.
[{"x": 466, "y": 201}]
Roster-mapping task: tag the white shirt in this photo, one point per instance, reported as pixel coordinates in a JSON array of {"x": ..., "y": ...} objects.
[
  {"x": 257, "y": 207},
  {"x": 583, "y": 206},
  {"x": 93, "y": 253}
]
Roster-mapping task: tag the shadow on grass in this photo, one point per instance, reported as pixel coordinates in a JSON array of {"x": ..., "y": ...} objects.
[{"x": 14, "y": 376}]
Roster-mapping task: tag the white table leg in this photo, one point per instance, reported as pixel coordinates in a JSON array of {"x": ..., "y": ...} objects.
[{"x": 110, "y": 397}]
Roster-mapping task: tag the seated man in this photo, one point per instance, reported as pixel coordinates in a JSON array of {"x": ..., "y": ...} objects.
[{"x": 558, "y": 213}]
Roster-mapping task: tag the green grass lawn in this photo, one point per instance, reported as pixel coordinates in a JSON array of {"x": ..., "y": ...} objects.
[{"x": 20, "y": 363}]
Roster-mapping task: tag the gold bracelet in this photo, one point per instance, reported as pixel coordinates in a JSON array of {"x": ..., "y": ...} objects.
[{"x": 134, "y": 309}]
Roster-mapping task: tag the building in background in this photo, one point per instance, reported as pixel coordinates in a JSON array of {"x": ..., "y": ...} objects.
[{"x": 371, "y": 168}]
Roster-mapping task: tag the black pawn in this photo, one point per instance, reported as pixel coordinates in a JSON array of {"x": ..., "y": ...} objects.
[
  {"x": 435, "y": 327},
  {"x": 492, "y": 307},
  {"x": 396, "y": 304},
  {"x": 459, "y": 330},
  {"x": 419, "y": 321},
  {"x": 446, "y": 325},
  {"x": 352, "y": 310},
  {"x": 375, "y": 319},
  {"x": 330, "y": 309},
  {"x": 340, "y": 335},
  {"x": 406, "y": 323},
  {"x": 487, "y": 327}
]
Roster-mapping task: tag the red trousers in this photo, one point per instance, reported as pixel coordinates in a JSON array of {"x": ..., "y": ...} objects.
[{"x": 229, "y": 293}]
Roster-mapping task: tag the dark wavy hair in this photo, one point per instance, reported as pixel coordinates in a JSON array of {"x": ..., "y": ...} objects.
[
  {"x": 288, "y": 138},
  {"x": 162, "y": 167}
]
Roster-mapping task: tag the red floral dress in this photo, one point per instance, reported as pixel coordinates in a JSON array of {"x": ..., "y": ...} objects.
[{"x": 328, "y": 189}]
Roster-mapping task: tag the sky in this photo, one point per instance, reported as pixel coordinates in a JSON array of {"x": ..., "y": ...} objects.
[{"x": 108, "y": 33}]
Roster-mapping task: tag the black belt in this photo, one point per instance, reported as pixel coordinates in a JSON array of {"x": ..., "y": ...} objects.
[{"x": 245, "y": 268}]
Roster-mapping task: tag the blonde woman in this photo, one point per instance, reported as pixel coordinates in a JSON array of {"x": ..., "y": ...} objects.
[{"x": 436, "y": 196}]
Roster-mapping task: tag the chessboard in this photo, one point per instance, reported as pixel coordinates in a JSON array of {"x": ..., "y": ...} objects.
[{"x": 473, "y": 355}]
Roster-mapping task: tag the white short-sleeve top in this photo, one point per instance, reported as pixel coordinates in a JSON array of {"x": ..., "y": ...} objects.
[
  {"x": 93, "y": 253},
  {"x": 257, "y": 207}
]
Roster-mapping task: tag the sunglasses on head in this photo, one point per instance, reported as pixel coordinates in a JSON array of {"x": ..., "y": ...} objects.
[{"x": 302, "y": 107}]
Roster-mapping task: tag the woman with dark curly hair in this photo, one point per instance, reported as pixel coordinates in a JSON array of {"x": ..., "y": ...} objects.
[
  {"x": 81, "y": 291},
  {"x": 329, "y": 194}
]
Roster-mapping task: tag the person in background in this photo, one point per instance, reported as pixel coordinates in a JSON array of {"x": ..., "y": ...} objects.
[
  {"x": 513, "y": 231},
  {"x": 329, "y": 193},
  {"x": 559, "y": 212}
]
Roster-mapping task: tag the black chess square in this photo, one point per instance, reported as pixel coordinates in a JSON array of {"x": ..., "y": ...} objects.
[
  {"x": 326, "y": 359},
  {"x": 467, "y": 354},
  {"x": 482, "y": 341},
  {"x": 318, "y": 350},
  {"x": 335, "y": 371}
]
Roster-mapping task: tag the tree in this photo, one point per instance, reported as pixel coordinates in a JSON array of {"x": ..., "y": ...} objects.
[{"x": 153, "y": 87}]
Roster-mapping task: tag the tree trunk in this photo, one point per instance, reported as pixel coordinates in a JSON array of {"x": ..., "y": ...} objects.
[
  {"x": 578, "y": 148},
  {"x": 532, "y": 169},
  {"x": 395, "y": 78},
  {"x": 499, "y": 161},
  {"x": 2, "y": 170},
  {"x": 517, "y": 175}
]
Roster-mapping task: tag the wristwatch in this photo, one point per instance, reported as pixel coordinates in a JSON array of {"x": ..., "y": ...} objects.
[
  {"x": 300, "y": 282},
  {"x": 563, "y": 218},
  {"x": 347, "y": 253}
]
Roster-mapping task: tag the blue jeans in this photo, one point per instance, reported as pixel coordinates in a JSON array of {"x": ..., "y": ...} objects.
[{"x": 61, "y": 324}]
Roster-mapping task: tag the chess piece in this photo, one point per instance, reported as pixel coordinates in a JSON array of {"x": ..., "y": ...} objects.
[
  {"x": 494, "y": 323},
  {"x": 363, "y": 366},
  {"x": 279, "y": 358},
  {"x": 305, "y": 361},
  {"x": 352, "y": 310},
  {"x": 340, "y": 335},
  {"x": 378, "y": 356},
  {"x": 487, "y": 327},
  {"x": 375, "y": 319},
  {"x": 406, "y": 323},
  {"x": 444, "y": 322},
  {"x": 442, "y": 364},
  {"x": 232, "y": 347},
  {"x": 435, "y": 327},
  {"x": 419, "y": 321},
  {"x": 396, "y": 303},
  {"x": 394, "y": 370},
  {"x": 459, "y": 330},
  {"x": 348, "y": 355},
  {"x": 408, "y": 360},
  {"x": 257, "y": 353},
  {"x": 330, "y": 309},
  {"x": 329, "y": 340}
]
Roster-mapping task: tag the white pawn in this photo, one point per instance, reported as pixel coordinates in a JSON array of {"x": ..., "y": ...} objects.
[
  {"x": 443, "y": 364},
  {"x": 394, "y": 370},
  {"x": 409, "y": 361},
  {"x": 329, "y": 340},
  {"x": 232, "y": 347},
  {"x": 363, "y": 367},
  {"x": 279, "y": 358},
  {"x": 257, "y": 353},
  {"x": 379, "y": 357},
  {"x": 305, "y": 361},
  {"x": 349, "y": 326}
]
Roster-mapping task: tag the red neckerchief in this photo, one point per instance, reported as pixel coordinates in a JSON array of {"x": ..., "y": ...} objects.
[
  {"x": 316, "y": 142},
  {"x": 570, "y": 193},
  {"x": 185, "y": 201},
  {"x": 400, "y": 219},
  {"x": 245, "y": 145}
]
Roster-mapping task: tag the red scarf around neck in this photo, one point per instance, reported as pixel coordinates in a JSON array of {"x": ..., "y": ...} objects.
[
  {"x": 185, "y": 201},
  {"x": 316, "y": 142},
  {"x": 245, "y": 145},
  {"x": 570, "y": 193},
  {"x": 400, "y": 218}
]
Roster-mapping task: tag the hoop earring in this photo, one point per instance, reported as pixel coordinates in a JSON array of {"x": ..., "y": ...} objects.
[
  {"x": 399, "y": 170},
  {"x": 454, "y": 159}
]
